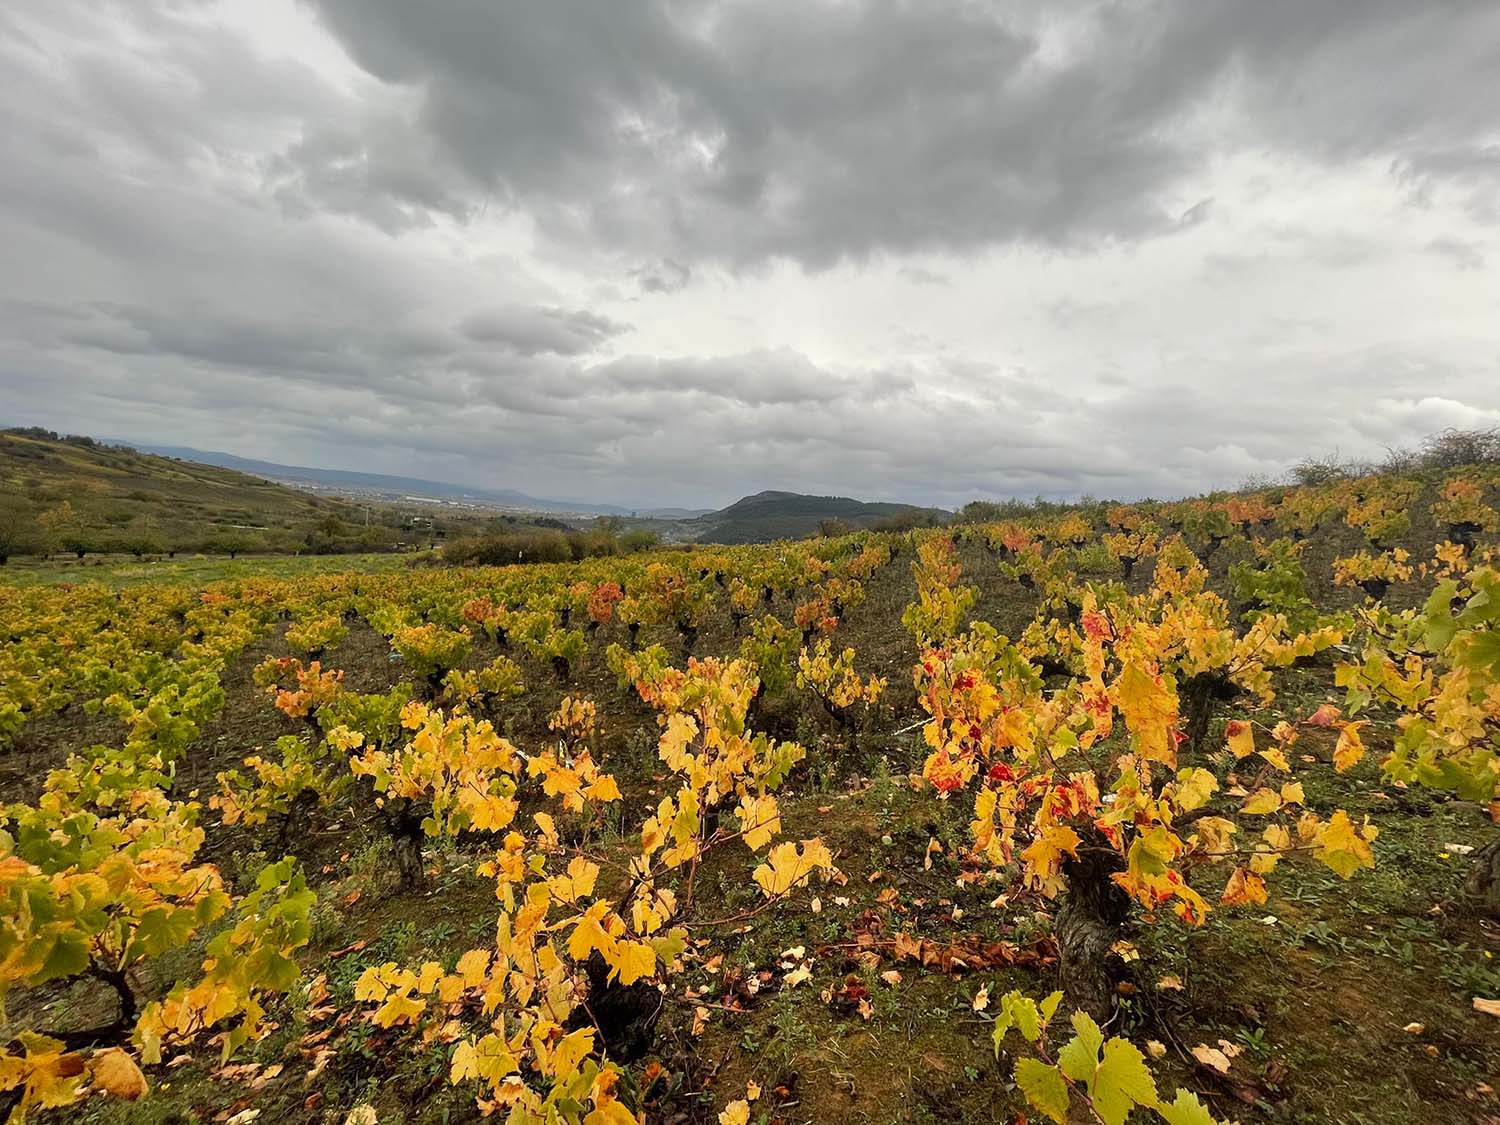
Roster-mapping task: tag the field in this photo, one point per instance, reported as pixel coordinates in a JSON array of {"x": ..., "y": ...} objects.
[
  {"x": 772, "y": 833},
  {"x": 118, "y": 571}
]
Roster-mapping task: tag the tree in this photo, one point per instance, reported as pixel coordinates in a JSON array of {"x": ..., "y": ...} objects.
[
  {"x": 64, "y": 528},
  {"x": 19, "y": 530},
  {"x": 229, "y": 542}
]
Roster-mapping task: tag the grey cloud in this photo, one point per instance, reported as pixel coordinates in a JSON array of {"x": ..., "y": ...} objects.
[
  {"x": 1464, "y": 254},
  {"x": 532, "y": 331},
  {"x": 665, "y": 276},
  {"x": 740, "y": 131},
  {"x": 425, "y": 265}
]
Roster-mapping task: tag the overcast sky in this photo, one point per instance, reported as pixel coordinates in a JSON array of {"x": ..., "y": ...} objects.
[{"x": 676, "y": 251}]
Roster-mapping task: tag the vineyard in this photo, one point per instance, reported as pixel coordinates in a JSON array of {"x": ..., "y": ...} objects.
[{"x": 1177, "y": 812}]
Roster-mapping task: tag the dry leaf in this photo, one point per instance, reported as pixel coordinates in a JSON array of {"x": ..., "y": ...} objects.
[
  {"x": 1170, "y": 983},
  {"x": 1415, "y": 1028},
  {"x": 1488, "y": 1007},
  {"x": 1211, "y": 1057},
  {"x": 1155, "y": 1048},
  {"x": 116, "y": 1074},
  {"x": 981, "y": 999},
  {"x": 1125, "y": 951},
  {"x": 891, "y": 977}
]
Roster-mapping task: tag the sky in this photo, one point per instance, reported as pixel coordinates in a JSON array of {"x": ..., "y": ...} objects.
[{"x": 675, "y": 251}]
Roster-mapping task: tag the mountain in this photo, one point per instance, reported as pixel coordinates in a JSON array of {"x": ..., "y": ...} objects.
[
  {"x": 767, "y": 516},
  {"x": 380, "y": 485}
]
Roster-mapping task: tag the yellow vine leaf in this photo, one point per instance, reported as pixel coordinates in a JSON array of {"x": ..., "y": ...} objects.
[
  {"x": 787, "y": 868},
  {"x": 1240, "y": 737},
  {"x": 1244, "y": 889},
  {"x": 1343, "y": 848},
  {"x": 631, "y": 960},
  {"x": 761, "y": 819},
  {"x": 1194, "y": 787},
  {"x": 1261, "y": 802},
  {"x": 1350, "y": 748}
]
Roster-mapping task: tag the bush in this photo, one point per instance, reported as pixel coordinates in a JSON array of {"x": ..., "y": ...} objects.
[
  {"x": 639, "y": 540},
  {"x": 1452, "y": 448},
  {"x": 509, "y": 548},
  {"x": 543, "y": 544}
]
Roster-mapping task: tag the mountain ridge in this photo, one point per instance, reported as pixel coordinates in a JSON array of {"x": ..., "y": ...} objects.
[{"x": 395, "y": 486}]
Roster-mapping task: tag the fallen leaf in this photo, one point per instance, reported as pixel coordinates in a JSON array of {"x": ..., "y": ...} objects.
[
  {"x": 1488, "y": 1007},
  {"x": 1324, "y": 716},
  {"x": 1414, "y": 1028},
  {"x": 1211, "y": 1057},
  {"x": 1170, "y": 983},
  {"x": 116, "y": 1074},
  {"x": 981, "y": 999},
  {"x": 1125, "y": 951},
  {"x": 891, "y": 977},
  {"x": 1155, "y": 1048}
]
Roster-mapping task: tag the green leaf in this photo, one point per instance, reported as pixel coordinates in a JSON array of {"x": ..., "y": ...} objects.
[
  {"x": 1186, "y": 1109},
  {"x": 68, "y": 957},
  {"x": 1121, "y": 1083},
  {"x": 1081, "y": 1056},
  {"x": 1019, "y": 1012},
  {"x": 1439, "y": 622},
  {"x": 160, "y": 929},
  {"x": 1044, "y": 1088}
]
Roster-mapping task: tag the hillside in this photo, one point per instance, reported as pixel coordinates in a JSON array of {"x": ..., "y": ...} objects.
[
  {"x": 381, "y": 486},
  {"x": 771, "y": 515},
  {"x": 78, "y": 495}
]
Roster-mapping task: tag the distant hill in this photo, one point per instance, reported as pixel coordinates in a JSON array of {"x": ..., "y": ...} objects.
[
  {"x": 768, "y": 516},
  {"x": 77, "y": 494},
  {"x": 386, "y": 487}
]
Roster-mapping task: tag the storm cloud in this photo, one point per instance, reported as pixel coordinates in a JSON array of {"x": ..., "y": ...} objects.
[{"x": 675, "y": 251}]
